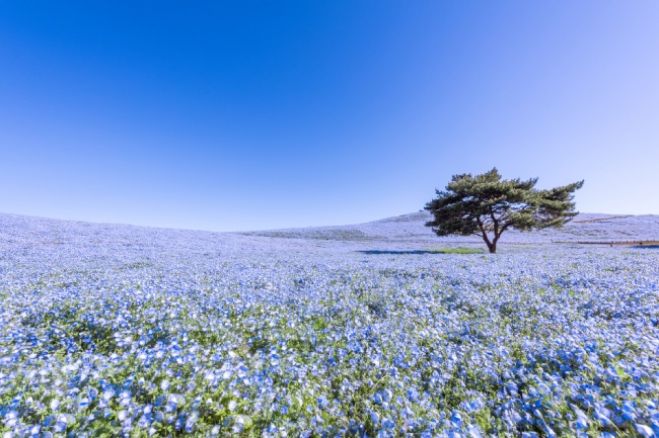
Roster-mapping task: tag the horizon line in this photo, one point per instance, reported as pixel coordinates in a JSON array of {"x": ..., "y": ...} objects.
[{"x": 161, "y": 227}]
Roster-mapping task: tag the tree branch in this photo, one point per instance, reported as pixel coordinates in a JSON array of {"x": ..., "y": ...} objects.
[
  {"x": 496, "y": 224},
  {"x": 483, "y": 232}
]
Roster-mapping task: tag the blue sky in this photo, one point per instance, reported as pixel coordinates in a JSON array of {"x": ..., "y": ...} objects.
[{"x": 247, "y": 115}]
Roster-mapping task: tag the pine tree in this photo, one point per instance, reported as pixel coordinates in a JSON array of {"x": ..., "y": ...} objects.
[{"x": 486, "y": 205}]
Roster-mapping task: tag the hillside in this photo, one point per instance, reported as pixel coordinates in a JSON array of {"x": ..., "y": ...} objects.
[
  {"x": 118, "y": 330},
  {"x": 410, "y": 228}
]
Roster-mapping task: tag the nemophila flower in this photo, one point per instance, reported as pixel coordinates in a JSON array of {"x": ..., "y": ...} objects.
[
  {"x": 160, "y": 337},
  {"x": 644, "y": 430}
]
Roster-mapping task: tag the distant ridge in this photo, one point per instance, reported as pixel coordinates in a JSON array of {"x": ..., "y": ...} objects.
[
  {"x": 586, "y": 227},
  {"x": 411, "y": 227}
]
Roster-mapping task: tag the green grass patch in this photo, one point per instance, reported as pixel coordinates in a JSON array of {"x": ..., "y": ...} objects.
[{"x": 457, "y": 250}]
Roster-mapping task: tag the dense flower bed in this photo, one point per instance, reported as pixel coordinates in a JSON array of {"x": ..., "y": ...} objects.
[{"x": 144, "y": 332}]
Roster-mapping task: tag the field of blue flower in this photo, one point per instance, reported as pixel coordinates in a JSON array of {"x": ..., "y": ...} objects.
[{"x": 126, "y": 331}]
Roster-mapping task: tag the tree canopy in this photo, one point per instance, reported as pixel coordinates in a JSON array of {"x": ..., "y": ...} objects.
[{"x": 486, "y": 205}]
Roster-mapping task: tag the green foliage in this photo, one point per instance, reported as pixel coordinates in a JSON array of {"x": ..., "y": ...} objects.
[{"x": 486, "y": 205}]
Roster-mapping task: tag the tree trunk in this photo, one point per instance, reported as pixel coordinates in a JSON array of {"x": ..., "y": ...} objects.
[{"x": 492, "y": 247}]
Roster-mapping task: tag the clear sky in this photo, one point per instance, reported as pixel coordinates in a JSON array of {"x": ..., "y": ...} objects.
[{"x": 248, "y": 115}]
